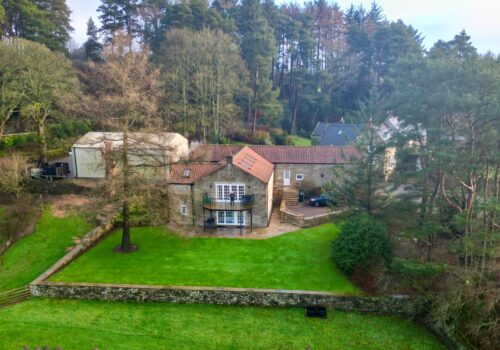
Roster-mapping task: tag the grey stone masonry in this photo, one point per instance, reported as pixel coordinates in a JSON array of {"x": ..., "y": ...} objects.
[{"x": 388, "y": 305}]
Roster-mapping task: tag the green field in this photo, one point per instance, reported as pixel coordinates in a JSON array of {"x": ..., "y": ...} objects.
[
  {"x": 86, "y": 325},
  {"x": 300, "y": 141},
  {"x": 32, "y": 255},
  {"x": 297, "y": 260}
]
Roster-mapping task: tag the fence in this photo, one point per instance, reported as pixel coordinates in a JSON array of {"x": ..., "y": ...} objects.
[{"x": 14, "y": 296}]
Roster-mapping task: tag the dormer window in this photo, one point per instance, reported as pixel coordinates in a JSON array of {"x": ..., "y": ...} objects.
[{"x": 186, "y": 173}]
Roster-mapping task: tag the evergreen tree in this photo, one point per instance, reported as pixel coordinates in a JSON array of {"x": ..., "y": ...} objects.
[
  {"x": 43, "y": 21},
  {"x": 258, "y": 47},
  {"x": 118, "y": 15},
  {"x": 93, "y": 48}
]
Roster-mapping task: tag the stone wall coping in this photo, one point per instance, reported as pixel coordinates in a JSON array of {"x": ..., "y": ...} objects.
[
  {"x": 86, "y": 242},
  {"x": 219, "y": 289}
]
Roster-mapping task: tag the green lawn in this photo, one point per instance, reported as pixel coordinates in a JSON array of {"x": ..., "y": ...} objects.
[
  {"x": 86, "y": 325},
  {"x": 32, "y": 255},
  {"x": 300, "y": 141},
  {"x": 297, "y": 260}
]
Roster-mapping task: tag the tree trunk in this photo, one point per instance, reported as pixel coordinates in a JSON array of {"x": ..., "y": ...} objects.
[
  {"x": 293, "y": 127},
  {"x": 256, "y": 95},
  {"x": 126, "y": 246},
  {"x": 43, "y": 142},
  {"x": 370, "y": 172}
]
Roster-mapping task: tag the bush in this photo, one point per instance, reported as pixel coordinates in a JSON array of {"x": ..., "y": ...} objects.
[
  {"x": 362, "y": 240},
  {"x": 418, "y": 275},
  {"x": 12, "y": 174},
  {"x": 69, "y": 128}
]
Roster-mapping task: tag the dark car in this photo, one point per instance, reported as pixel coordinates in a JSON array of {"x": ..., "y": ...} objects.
[{"x": 322, "y": 200}]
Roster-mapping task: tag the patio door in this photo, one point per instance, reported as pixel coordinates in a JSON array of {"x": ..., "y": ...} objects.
[{"x": 286, "y": 178}]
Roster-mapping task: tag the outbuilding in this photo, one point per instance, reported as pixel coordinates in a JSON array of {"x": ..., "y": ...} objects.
[{"x": 88, "y": 154}]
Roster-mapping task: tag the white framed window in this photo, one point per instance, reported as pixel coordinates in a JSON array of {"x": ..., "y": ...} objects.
[
  {"x": 184, "y": 210},
  {"x": 223, "y": 191},
  {"x": 299, "y": 177},
  {"x": 230, "y": 218}
]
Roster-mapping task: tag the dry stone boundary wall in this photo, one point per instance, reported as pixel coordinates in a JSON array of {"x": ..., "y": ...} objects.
[{"x": 390, "y": 305}]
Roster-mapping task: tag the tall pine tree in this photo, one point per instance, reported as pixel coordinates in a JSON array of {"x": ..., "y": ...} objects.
[
  {"x": 119, "y": 15},
  {"x": 258, "y": 47},
  {"x": 43, "y": 21},
  {"x": 93, "y": 48}
]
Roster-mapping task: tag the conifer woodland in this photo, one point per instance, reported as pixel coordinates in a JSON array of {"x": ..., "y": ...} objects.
[{"x": 256, "y": 71}]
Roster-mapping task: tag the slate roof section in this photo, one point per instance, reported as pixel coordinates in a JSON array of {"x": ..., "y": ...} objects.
[
  {"x": 319, "y": 129},
  {"x": 339, "y": 134},
  {"x": 196, "y": 171},
  {"x": 282, "y": 154},
  {"x": 251, "y": 162}
]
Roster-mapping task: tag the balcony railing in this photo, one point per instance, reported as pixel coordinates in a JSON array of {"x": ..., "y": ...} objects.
[{"x": 245, "y": 203}]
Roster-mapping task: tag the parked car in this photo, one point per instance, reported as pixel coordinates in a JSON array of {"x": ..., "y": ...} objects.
[{"x": 322, "y": 200}]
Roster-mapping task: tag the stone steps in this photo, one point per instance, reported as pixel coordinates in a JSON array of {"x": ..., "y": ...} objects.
[{"x": 291, "y": 197}]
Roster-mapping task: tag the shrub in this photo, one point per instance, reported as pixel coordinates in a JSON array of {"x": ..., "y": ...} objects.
[
  {"x": 362, "y": 240},
  {"x": 418, "y": 275},
  {"x": 12, "y": 174}
]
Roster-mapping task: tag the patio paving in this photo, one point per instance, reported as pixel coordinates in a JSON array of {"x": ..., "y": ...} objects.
[
  {"x": 309, "y": 211},
  {"x": 276, "y": 227}
]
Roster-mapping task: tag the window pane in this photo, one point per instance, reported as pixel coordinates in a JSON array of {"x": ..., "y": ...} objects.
[
  {"x": 220, "y": 217},
  {"x": 220, "y": 194},
  {"x": 229, "y": 217},
  {"x": 226, "y": 192},
  {"x": 234, "y": 189},
  {"x": 241, "y": 191}
]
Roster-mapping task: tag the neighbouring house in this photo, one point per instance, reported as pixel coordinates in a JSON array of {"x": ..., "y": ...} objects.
[
  {"x": 341, "y": 134},
  {"x": 233, "y": 185},
  {"x": 89, "y": 153},
  {"x": 335, "y": 134}
]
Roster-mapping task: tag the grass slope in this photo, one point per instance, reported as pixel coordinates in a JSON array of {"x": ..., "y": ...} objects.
[
  {"x": 300, "y": 141},
  {"x": 82, "y": 325},
  {"x": 297, "y": 260},
  {"x": 32, "y": 255}
]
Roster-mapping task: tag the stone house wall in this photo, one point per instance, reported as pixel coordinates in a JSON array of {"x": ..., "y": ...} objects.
[
  {"x": 232, "y": 174},
  {"x": 319, "y": 174},
  {"x": 180, "y": 195}
]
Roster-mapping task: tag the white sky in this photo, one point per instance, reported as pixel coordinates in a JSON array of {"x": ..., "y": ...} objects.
[{"x": 435, "y": 19}]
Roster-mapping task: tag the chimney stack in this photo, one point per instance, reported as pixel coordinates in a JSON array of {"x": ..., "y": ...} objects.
[{"x": 229, "y": 159}]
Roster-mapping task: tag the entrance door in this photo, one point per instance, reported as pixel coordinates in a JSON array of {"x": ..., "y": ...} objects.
[{"x": 286, "y": 178}]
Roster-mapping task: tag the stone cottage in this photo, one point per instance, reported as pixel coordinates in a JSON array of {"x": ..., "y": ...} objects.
[{"x": 233, "y": 185}]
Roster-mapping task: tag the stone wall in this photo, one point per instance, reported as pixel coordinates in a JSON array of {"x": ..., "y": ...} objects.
[
  {"x": 87, "y": 241},
  {"x": 318, "y": 174},
  {"x": 232, "y": 174},
  {"x": 390, "y": 305},
  {"x": 180, "y": 195},
  {"x": 300, "y": 220}
]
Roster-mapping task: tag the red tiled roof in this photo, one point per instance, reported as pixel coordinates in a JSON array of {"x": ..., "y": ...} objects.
[
  {"x": 213, "y": 153},
  {"x": 281, "y": 154},
  {"x": 249, "y": 161},
  {"x": 195, "y": 171},
  {"x": 307, "y": 154}
]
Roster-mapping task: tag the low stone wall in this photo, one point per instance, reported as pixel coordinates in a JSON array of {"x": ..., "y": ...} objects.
[
  {"x": 86, "y": 242},
  {"x": 298, "y": 219},
  {"x": 390, "y": 305}
]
